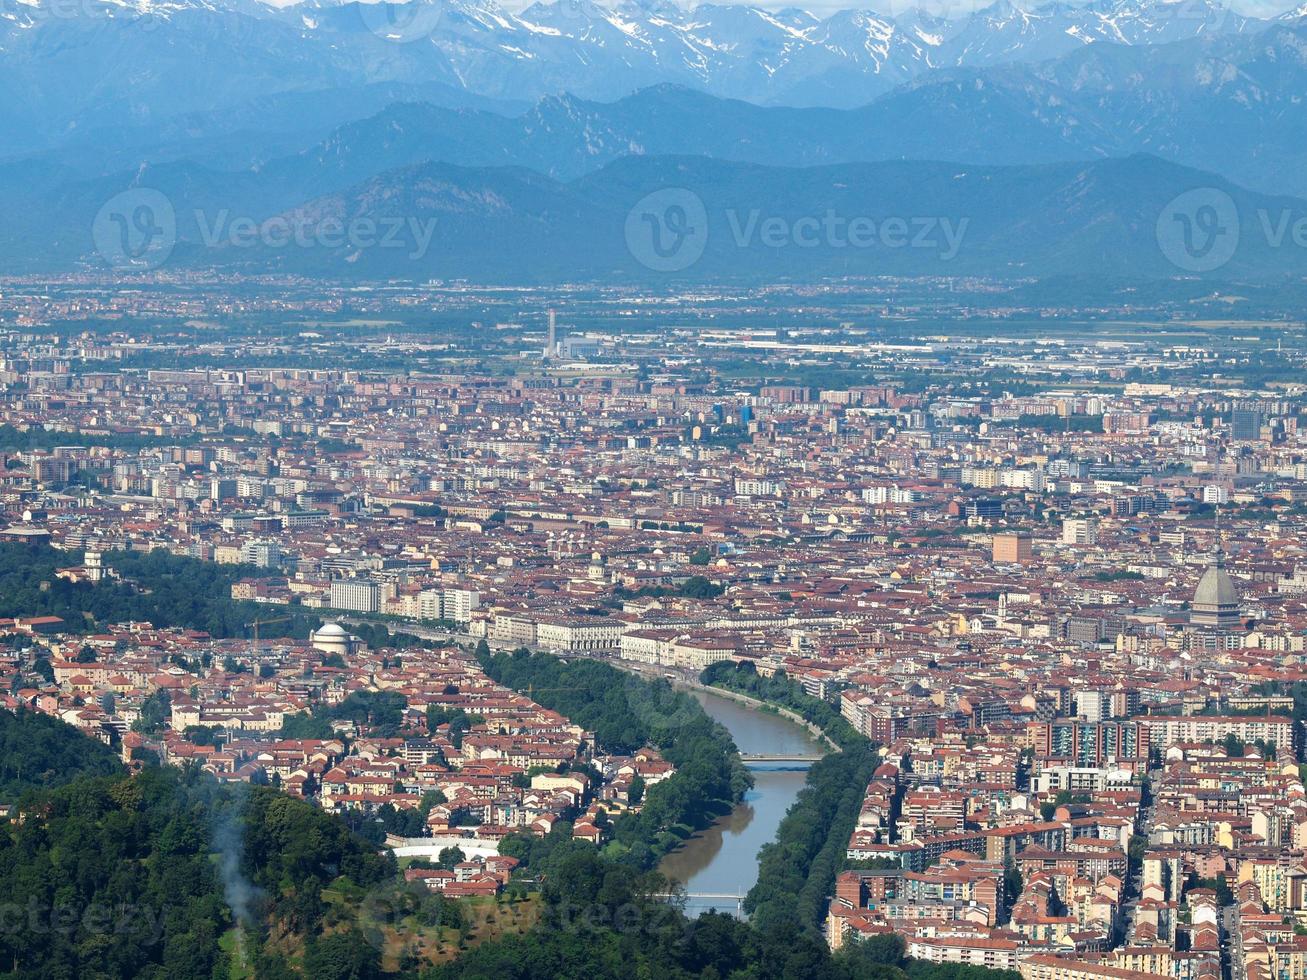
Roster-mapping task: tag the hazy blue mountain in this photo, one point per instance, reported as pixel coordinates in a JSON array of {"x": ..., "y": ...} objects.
[
  {"x": 68, "y": 69},
  {"x": 1071, "y": 127},
  {"x": 1231, "y": 105},
  {"x": 565, "y": 136},
  {"x": 741, "y": 221},
  {"x": 251, "y": 134}
]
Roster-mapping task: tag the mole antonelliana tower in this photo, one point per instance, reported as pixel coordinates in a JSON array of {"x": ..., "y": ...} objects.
[
  {"x": 1216, "y": 600},
  {"x": 1215, "y": 604}
]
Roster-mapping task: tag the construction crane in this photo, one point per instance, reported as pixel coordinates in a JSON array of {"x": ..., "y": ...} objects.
[{"x": 265, "y": 622}]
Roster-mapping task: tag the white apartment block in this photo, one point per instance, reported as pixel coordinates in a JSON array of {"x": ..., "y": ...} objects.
[
  {"x": 458, "y": 604},
  {"x": 758, "y": 488},
  {"x": 356, "y": 595},
  {"x": 1080, "y": 530}
]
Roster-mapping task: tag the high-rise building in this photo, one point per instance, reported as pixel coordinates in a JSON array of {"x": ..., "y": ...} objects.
[
  {"x": 1011, "y": 548},
  {"x": 1080, "y": 530},
  {"x": 264, "y": 554},
  {"x": 458, "y": 604},
  {"x": 356, "y": 595},
  {"x": 985, "y": 507},
  {"x": 1245, "y": 425}
]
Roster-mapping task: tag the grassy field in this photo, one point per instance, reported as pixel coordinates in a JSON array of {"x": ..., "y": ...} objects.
[
  {"x": 231, "y": 943},
  {"x": 413, "y": 931}
]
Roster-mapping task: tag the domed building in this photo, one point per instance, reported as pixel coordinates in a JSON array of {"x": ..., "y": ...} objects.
[
  {"x": 1216, "y": 601},
  {"x": 332, "y": 638}
]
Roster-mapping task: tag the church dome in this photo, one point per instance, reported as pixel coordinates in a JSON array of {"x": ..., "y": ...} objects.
[
  {"x": 1216, "y": 600},
  {"x": 1216, "y": 588}
]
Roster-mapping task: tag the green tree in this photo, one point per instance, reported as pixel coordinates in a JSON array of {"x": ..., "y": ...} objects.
[
  {"x": 885, "y": 949},
  {"x": 450, "y": 856},
  {"x": 342, "y": 956},
  {"x": 154, "y": 714}
]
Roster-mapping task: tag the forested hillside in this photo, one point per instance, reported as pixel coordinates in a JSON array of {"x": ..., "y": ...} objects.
[
  {"x": 40, "y": 752},
  {"x": 142, "y": 876}
]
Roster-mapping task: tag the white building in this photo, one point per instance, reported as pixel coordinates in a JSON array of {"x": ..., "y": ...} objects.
[
  {"x": 264, "y": 554},
  {"x": 576, "y": 636},
  {"x": 1080, "y": 530},
  {"x": 356, "y": 595},
  {"x": 458, "y": 604},
  {"x": 758, "y": 488},
  {"x": 332, "y": 638}
]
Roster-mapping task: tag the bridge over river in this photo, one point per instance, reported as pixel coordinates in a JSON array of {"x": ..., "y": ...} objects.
[
  {"x": 720, "y": 901},
  {"x": 717, "y": 866}
]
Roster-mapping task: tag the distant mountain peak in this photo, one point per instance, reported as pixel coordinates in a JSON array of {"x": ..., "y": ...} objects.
[{"x": 595, "y": 49}]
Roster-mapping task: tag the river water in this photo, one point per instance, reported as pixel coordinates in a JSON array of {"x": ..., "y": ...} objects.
[{"x": 723, "y": 860}]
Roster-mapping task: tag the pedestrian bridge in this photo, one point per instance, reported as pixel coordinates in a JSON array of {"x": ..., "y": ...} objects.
[
  {"x": 711, "y": 898},
  {"x": 781, "y": 757}
]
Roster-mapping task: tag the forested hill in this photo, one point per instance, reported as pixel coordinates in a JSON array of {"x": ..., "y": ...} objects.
[
  {"x": 143, "y": 876},
  {"x": 156, "y": 587},
  {"x": 39, "y": 752}
]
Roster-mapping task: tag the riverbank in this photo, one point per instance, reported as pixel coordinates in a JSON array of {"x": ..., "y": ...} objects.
[
  {"x": 709, "y": 778},
  {"x": 759, "y": 705},
  {"x": 780, "y": 847},
  {"x": 719, "y": 865},
  {"x": 692, "y": 684},
  {"x": 782, "y": 693},
  {"x": 796, "y": 871}
]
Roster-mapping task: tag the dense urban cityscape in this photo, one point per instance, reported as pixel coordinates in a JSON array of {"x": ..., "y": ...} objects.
[
  {"x": 653, "y": 490},
  {"x": 1027, "y": 598}
]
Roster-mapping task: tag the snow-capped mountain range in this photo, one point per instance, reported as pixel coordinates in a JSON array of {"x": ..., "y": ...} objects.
[
  {"x": 505, "y": 123},
  {"x": 68, "y": 65}
]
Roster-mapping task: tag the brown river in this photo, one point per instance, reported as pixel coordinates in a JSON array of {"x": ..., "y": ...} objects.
[{"x": 723, "y": 860}]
